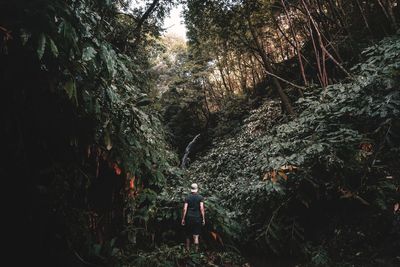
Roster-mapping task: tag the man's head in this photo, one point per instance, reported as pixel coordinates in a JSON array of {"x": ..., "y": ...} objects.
[{"x": 194, "y": 188}]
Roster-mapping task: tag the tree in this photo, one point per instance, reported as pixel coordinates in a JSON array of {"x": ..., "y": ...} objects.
[{"x": 79, "y": 131}]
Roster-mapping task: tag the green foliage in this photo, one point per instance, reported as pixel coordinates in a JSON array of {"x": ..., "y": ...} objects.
[
  {"x": 95, "y": 76},
  {"x": 320, "y": 257},
  {"x": 282, "y": 180},
  {"x": 166, "y": 210},
  {"x": 178, "y": 256},
  {"x": 77, "y": 86},
  {"x": 80, "y": 121}
]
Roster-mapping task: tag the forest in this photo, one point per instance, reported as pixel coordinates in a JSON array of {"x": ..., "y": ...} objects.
[{"x": 286, "y": 113}]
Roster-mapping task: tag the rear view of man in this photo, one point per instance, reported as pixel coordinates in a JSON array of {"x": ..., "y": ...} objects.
[{"x": 193, "y": 216}]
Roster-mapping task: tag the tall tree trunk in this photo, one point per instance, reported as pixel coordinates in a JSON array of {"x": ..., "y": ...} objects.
[
  {"x": 390, "y": 6},
  {"x": 143, "y": 18},
  {"x": 268, "y": 67},
  {"x": 228, "y": 75},
  {"x": 363, "y": 16},
  {"x": 303, "y": 75},
  {"x": 221, "y": 72},
  {"x": 243, "y": 72}
]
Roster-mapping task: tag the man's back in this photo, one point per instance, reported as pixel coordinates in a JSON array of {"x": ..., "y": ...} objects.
[{"x": 193, "y": 201}]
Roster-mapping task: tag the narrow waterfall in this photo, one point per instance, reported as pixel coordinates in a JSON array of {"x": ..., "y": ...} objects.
[{"x": 187, "y": 151}]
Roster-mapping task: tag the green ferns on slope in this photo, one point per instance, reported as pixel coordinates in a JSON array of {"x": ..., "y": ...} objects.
[{"x": 324, "y": 181}]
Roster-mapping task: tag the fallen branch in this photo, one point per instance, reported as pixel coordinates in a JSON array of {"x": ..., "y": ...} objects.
[{"x": 286, "y": 81}]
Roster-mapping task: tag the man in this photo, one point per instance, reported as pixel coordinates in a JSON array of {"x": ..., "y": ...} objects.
[{"x": 193, "y": 216}]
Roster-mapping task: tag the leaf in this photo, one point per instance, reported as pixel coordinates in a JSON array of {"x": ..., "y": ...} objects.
[
  {"x": 25, "y": 36},
  {"x": 111, "y": 92},
  {"x": 363, "y": 201},
  {"x": 108, "y": 56},
  {"x": 282, "y": 174},
  {"x": 305, "y": 203},
  {"x": 117, "y": 169},
  {"x": 96, "y": 249},
  {"x": 70, "y": 89},
  {"x": 214, "y": 235},
  {"x": 53, "y": 48},
  {"x": 112, "y": 242},
  {"x": 143, "y": 102},
  {"x": 115, "y": 251},
  {"x": 41, "y": 46},
  {"x": 88, "y": 53},
  {"x": 289, "y": 168},
  {"x": 274, "y": 179},
  {"x": 107, "y": 140}
]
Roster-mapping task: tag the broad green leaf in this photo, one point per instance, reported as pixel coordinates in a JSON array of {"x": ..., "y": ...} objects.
[
  {"x": 108, "y": 56},
  {"x": 53, "y": 47},
  {"x": 41, "y": 46},
  {"x": 70, "y": 89}
]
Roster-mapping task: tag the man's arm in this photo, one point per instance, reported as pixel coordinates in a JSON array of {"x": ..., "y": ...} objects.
[
  {"x": 203, "y": 213},
  {"x": 184, "y": 213}
]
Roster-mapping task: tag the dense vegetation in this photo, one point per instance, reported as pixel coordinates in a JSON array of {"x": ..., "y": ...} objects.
[
  {"x": 323, "y": 180},
  {"x": 292, "y": 108}
]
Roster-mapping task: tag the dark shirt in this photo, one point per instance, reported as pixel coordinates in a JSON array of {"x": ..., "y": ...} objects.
[{"x": 193, "y": 209}]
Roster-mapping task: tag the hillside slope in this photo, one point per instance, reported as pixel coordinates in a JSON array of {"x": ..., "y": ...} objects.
[{"x": 306, "y": 187}]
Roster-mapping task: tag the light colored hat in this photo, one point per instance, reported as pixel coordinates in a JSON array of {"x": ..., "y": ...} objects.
[{"x": 194, "y": 188}]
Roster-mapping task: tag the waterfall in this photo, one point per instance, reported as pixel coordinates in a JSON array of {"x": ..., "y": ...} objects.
[{"x": 187, "y": 151}]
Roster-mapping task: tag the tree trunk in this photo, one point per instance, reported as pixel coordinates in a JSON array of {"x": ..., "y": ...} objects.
[
  {"x": 146, "y": 15},
  {"x": 268, "y": 67},
  {"x": 303, "y": 75},
  {"x": 392, "y": 16}
]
